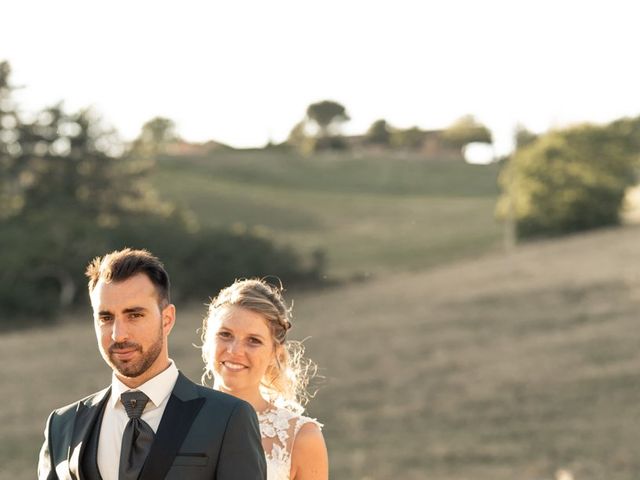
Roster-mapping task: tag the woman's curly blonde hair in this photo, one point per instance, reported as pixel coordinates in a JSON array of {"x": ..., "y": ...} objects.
[{"x": 284, "y": 383}]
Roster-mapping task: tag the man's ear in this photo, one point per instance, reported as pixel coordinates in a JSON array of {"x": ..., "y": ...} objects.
[{"x": 168, "y": 318}]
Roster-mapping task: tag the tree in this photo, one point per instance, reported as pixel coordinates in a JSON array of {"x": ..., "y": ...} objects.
[
  {"x": 154, "y": 137},
  {"x": 67, "y": 186},
  {"x": 72, "y": 160},
  {"x": 327, "y": 116},
  {"x": 409, "y": 139},
  {"x": 379, "y": 133},
  {"x": 320, "y": 128},
  {"x": 524, "y": 137},
  {"x": 466, "y": 130},
  {"x": 66, "y": 183},
  {"x": 300, "y": 139},
  {"x": 9, "y": 145},
  {"x": 569, "y": 180}
]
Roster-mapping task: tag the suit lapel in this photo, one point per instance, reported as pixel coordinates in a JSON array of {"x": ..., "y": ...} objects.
[
  {"x": 86, "y": 416},
  {"x": 181, "y": 410}
]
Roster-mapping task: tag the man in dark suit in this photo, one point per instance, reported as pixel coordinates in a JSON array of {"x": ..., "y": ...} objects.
[{"x": 151, "y": 422}]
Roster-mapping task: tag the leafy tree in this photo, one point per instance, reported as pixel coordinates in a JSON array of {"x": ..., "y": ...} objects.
[
  {"x": 300, "y": 139},
  {"x": 379, "y": 133},
  {"x": 154, "y": 137},
  {"x": 570, "y": 180},
  {"x": 9, "y": 145},
  {"x": 320, "y": 129},
  {"x": 466, "y": 130},
  {"x": 524, "y": 137},
  {"x": 327, "y": 116},
  {"x": 410, "y": 138},
  {"x": 65, "y": 187},
  {"x": 628, "y": 132}
]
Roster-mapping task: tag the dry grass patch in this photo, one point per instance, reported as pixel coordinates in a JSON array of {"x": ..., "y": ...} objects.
[{"x": 499, "y": 368}]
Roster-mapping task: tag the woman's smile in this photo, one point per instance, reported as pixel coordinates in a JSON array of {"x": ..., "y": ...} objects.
[{"x": 233, "y": 366}]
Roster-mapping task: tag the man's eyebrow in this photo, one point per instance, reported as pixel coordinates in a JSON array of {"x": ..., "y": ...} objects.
[
  {"x": 126, "y": 310},
  {"x": 134, "y": 310}
]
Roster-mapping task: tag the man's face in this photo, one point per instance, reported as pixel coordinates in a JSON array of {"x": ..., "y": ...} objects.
[{"x": 131, "y": 328}]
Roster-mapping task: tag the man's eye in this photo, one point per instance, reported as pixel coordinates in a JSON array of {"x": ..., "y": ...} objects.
[{"x": 104, "y": 319}]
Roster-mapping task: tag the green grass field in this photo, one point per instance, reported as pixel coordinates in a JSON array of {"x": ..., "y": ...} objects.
[
  {"x": 371, "y": 215},
  {"x": 502, "y": 367}
]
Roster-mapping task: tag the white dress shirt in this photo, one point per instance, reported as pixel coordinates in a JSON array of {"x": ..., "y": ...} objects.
[{"x": 115, "y": 418}]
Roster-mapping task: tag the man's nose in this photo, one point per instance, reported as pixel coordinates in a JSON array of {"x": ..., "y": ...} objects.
[{"x": 120, "y": 332}]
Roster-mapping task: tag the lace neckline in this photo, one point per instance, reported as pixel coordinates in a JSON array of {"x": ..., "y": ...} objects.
[{"x": 278, "y": 428}]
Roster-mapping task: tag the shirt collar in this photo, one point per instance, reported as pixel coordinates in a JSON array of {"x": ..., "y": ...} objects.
[{"x": 157, "y": 388}]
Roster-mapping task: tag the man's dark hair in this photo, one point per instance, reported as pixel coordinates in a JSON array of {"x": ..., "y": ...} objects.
[{"x": 120, "y": 265}]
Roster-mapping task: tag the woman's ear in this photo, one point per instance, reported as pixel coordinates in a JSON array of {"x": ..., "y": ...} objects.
[{"x": 278, "y": 357}]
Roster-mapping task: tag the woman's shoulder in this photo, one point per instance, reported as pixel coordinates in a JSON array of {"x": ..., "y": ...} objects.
[
  {"x": 308, "y": 431},
  {"x": 306, "y": 424},
  {"x": 309, "y": 449}
]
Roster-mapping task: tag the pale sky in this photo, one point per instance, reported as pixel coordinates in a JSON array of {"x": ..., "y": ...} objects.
[{"x": 242, "y": 72}]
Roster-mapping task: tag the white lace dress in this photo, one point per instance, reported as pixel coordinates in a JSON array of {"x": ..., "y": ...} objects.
[{"x": 278, "y": 428}]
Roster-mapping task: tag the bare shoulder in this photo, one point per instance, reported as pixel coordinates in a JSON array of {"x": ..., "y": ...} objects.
[
  {"x": 309, "y": 459},
  {"x": 309, "y": 435}
]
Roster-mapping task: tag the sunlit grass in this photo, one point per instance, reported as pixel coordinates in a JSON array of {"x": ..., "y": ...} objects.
[{"x": 371, "y": 215}]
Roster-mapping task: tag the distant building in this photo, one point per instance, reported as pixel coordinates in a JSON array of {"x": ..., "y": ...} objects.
[{"x": 427, "y": 143}]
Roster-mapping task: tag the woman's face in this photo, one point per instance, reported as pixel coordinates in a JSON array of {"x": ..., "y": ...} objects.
[{"x": 243, "y": 349}]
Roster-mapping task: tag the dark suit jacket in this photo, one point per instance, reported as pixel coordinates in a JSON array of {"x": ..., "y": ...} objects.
[{"x": 203, "y": 434}]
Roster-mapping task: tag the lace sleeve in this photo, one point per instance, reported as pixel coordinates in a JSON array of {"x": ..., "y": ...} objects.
[{"x": 302, "y": 420}]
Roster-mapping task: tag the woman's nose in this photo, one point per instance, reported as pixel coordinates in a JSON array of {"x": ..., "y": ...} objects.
[{"x": 233, "y": 346}]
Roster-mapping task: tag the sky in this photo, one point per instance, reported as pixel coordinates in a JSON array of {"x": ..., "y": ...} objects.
[{"x": 243, "y": 72}]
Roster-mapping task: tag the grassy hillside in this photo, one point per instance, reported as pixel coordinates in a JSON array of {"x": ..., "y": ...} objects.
[
  {"x": 371, "y": 215},
  {"x": 504, "y": 367}
]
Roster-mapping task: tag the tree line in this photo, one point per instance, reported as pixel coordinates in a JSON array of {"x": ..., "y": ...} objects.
[
  {"x": 71, "y": 190},
  {"x": 321, "y": 129}
]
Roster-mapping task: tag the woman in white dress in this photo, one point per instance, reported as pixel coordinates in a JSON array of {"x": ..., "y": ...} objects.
[{"x": 246, "y": 352}]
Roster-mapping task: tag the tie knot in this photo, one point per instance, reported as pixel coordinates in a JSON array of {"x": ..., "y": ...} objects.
[{"x": 134, "y": 403}]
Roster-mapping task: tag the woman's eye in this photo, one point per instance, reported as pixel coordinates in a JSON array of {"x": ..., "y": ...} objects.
[
  {"x": 224, "y": 335},
  {"x": 255, "y": 341}
]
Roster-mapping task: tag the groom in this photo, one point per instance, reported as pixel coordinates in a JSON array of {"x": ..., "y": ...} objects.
[{"x": 151, "y": 422}]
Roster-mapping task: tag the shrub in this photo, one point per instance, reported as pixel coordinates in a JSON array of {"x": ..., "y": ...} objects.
[{"x": 568, "y": 181}]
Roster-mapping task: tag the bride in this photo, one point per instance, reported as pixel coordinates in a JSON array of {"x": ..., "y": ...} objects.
[{"x": 246, "y": 352}]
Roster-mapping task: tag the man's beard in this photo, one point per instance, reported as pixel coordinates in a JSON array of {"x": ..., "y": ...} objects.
[{"x": 135, "y": 368}]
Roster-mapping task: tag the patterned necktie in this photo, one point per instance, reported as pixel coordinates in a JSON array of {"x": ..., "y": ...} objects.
[{"x": 137, "y": 437}]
